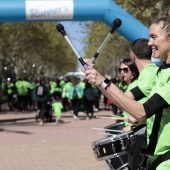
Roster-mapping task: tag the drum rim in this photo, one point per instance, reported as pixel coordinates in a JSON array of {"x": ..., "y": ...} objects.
[
  {"x": 109, "y": 164},
  {"x": 113, "y": 125},
  {"x": 112, "y": 139},
  {"x": 110, "y": 156}
]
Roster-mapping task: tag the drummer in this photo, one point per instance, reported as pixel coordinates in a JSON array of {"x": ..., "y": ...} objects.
[
  {"x": 157, "y": 107},
  {"x": 141, "y": 55}
]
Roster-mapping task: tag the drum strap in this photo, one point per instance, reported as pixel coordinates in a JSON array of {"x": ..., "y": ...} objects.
[
  {"x": 154, "y": 135},
  {"x": 152, "y": 143},
  {"x": 159, "y": 160}
]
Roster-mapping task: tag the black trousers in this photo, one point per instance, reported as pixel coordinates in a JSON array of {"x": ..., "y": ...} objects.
[
  {"x": 76, "y": 106},
  {"x": 42, "y": 106},
  {"x": 89, "y": 106}
]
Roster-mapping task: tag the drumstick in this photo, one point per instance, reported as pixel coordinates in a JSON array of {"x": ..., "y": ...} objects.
[
  {"x": 115, "y": 118},
  {"x": 61, "y": 29},
  {"x": 109, "y": 130},
  {"x": 116, "y": 23},
  {"x": 108, "y": 134}
]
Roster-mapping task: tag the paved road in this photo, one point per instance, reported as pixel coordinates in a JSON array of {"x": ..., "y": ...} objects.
[{"x": 24, "y": 145}]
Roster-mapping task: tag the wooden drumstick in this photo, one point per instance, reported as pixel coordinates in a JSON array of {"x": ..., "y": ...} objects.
[
  {"x": 109, "y": 130},
  {"x": 115, "y": 118}
]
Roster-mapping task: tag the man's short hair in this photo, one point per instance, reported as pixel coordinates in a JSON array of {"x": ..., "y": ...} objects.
[{"x": 141, "y": 49}]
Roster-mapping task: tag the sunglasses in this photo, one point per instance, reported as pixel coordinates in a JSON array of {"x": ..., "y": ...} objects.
[{"x": 125, "y": 70}]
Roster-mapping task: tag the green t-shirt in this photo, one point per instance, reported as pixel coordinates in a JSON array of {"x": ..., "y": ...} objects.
[
  {"x": 146, "y": 72},
  {"x": 65, "y": 92},
  {"x": 160, "y": 84},
  {"x": 57, "y": 107},
  {"x": 53, "y": 85},
  {"x": 10, "y": 88},
  {"x": 22, "y": 87},
  {"x": 129, "y": 87}
]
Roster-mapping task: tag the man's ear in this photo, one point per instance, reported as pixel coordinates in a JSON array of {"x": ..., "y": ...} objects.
[{"x": 133, "y": 56}]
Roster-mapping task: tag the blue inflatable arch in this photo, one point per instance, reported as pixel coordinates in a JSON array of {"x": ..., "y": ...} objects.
[{"x": 72, "y": 10}]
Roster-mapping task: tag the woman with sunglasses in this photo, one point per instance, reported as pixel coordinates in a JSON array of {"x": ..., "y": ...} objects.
[
  {"x": 128, "y": 75},
  {"x": 157, "y": 108}
]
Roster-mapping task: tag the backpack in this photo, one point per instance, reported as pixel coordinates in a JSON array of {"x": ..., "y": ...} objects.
[
  {"x": 89, "y": 94},
  {"x": 40, "y": 91}
]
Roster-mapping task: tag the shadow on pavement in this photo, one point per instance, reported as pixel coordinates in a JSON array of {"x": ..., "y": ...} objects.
[{"x": 14, "y": 131}]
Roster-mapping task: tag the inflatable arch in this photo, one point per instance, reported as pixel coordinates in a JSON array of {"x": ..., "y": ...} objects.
[{"x": 72, "y": 10}]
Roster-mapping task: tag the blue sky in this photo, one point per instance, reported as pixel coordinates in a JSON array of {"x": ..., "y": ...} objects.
[{"x": 76, "y": 33}]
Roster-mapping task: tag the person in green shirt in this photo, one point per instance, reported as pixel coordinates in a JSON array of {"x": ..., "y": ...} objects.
[
  {"x": 75, "y": 95},
  {"x": 141, "y": 55},
  {"x": 22, "y": 86},
  {"x": 57, "y": 107},
  {"x": 9, "y": 89},
  {"x": 129, "y": 74},
  {"x": 156, "y": 87},
  {"x": 53, "y": 86},
  {"x": 65, "y": 93}
]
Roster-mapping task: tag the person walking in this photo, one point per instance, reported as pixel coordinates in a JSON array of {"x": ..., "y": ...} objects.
[
  {"x": 9, "y": 89},
  {"x": 89, "y": 98},
  {"x": 75, "y": 96},
  {"x": 57, "y": 107},
  {"x": 42, "y": 98}
]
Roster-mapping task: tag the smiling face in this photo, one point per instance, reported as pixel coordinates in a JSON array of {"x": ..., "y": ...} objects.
[{"x": 159, "y": 42}]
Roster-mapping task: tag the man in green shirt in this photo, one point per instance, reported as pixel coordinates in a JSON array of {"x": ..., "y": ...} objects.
[
  {"x": 9, "y": 89},
  {"x": 141, "y": 55}
]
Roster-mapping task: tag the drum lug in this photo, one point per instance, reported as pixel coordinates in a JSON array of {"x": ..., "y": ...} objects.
[
  {"x": 113, "y": 148},
  {"x": 123, "y": 144}
]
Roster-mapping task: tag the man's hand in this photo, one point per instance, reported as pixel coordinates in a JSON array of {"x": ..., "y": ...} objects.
[
  {"x": 127, "y": 128},
  {"x": 132, "y": 120}
]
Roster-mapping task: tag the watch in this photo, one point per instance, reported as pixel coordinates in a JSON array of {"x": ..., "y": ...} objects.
[{"x": 106, "y": 83}]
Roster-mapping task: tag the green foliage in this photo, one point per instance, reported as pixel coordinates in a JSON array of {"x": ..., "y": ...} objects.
[
  {"x": 35, "y": 49},
  {"x": 117, "y": 47}
]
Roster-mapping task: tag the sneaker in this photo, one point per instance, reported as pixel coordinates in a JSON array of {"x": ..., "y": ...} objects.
[
  {"x": 41, "y": 123},
  {"x": 95, "y": 109},
  {"x": 75, "y": 117},
  {"x": 56, "y": 122},
  {"x": 87, "y": 118},
  {"x": 61, "y": 121}
]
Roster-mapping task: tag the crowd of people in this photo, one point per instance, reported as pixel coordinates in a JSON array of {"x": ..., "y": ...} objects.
[{"x": 70, "y": 94}]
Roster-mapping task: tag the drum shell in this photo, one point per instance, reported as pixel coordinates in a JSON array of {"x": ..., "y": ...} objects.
[
  {"x": 119, "y": 162},
  {"x": 110, "y": 147}
]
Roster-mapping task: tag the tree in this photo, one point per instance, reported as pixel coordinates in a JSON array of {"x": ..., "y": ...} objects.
[
  {"x": 25, "y": 45},
  {"x": 117, "y": 47}
]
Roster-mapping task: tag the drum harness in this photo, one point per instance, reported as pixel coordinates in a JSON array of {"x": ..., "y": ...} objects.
[{"x": 151, "y": 147}]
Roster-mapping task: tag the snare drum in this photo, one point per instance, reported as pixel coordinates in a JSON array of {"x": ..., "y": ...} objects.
[
  {"x": 112, "y": 146},
  {"x": 117, "y": 126},
  {"x": 118, "y": 163}
]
